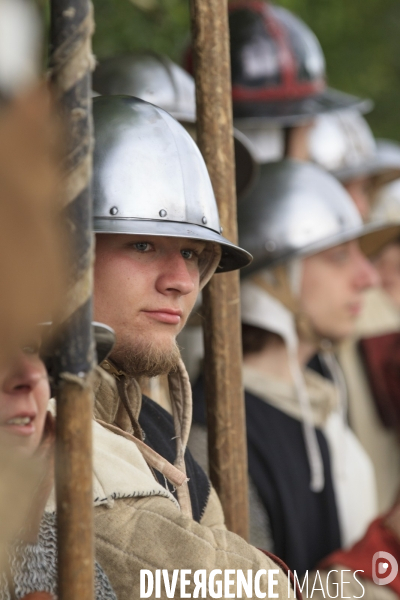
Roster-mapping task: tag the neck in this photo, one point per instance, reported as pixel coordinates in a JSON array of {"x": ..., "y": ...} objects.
[
  {"x": 273, "y": 360},
  {"x": 306, "y": 352}
]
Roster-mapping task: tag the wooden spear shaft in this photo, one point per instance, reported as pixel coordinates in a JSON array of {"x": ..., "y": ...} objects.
[
  {"x": 72, "y": 62},
  {"x": 221, "y": 298}
]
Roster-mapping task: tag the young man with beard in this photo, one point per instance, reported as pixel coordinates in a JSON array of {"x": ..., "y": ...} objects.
[{"x": 158, "y": 243}]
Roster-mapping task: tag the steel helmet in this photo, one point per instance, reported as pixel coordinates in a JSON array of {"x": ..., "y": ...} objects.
[
  {"x": 297, "y": 209},
  {"x": 151, "y": 77},
  {"x": 388, "y": 152},
  {"x": 156, "y": 79},
  {"x": 150, "y": 178},
  {"x": 278, "y": 68},
  {"x": 343, "y": 144},
  {"x": 387, "y": 201},
  {"x": 267, "y": 144}
]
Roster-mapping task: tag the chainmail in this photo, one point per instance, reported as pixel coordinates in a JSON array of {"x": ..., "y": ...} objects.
[{"x": 33, "y": 567}]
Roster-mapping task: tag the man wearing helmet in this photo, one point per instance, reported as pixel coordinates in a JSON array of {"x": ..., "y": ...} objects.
[
  {"x": 158, "y": 243},
  {"x": 301, "y": 295},
  {"x": 156, "y": 79},
  {"x": 343, "y": 144},
  {"x": 282, "y": 104},
  {"x": 369, "y": 358}
]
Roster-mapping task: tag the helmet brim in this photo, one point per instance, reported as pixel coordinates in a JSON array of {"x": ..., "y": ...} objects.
[
  {"x": 373, "y": 237},
  {"x": 297, "y": 111},
  {"x": 377, "y": 235},
  {"x": 246, "y": 168},
  {"x": 233, "y": 257},
  {"x": 383, "y": 169}
]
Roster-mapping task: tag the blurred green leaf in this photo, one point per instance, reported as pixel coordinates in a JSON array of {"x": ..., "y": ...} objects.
[
  {"x": 145, "y": 4},
  {"x": 121, "y": 27}
]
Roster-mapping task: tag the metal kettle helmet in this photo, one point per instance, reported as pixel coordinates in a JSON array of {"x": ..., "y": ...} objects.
[
  {"x": 157, "y": 79},
  {"x": 151, "y": 77},
  {"x": 343, "y": 144},
  {"x": 278, "y": 67},
  {"x": 297, "y": 209},
  {"x": 150, "y": 178},
  {"x": 387, "y": 201}
]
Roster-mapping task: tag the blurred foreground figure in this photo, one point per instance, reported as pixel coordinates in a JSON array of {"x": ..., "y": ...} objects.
[
  {"x": 30, "y": 232},
  {"x": 31, "y": 271},
  {"x": 30, "y": 179},
  {"x": 343, "y": 144},
  {"x": 28, "y": 428},
  {"x": 24, "y": 427},
  {"x": 303, "y": 292},
  {"x": 158, "y": 243},
  {"x": 32, "y": 275}
]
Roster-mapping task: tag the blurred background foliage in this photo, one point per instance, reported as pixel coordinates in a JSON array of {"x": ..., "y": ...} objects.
[
  {"x": 361, "y": 42},
  {"x": 360, "y": 39}
]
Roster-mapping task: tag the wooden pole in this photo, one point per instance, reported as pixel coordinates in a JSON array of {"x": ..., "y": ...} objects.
[
  {"x": 221, "y": 298},
  {"x": 72, "y": 62}
]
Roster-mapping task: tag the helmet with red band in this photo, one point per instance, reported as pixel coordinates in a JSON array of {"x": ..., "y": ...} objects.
[{"x": 278, "y": 68}]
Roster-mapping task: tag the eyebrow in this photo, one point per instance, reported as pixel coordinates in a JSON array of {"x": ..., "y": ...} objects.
[{"x": 198, "y": 243}]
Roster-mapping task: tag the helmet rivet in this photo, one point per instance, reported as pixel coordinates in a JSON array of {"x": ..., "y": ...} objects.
[
  {"x": 204, "y": 220},
  {"x": 113, "y": 210},
  {"x": 163, "y": 212},
  {"x": 270, "y": 246},
  {"x": 221, "y": 229}
]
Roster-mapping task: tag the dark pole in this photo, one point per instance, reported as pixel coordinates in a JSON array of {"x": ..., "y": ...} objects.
[
  {"x": 71, "y": 62},
  {"x": 221, "y": 298}
]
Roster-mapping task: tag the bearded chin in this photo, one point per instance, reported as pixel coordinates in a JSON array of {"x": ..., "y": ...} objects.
[{"x": 146, "y": 358}]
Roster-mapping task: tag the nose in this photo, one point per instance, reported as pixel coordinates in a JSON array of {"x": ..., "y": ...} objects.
[
  {"x": 367, "y": 275},
  {"x": 177, "y": 277},
  {"x": 26, "y": 372}
]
